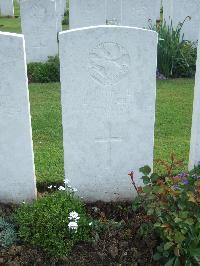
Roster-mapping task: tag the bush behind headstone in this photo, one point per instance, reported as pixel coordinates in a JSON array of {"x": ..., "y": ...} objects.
[{"x": 44, "y": 72}]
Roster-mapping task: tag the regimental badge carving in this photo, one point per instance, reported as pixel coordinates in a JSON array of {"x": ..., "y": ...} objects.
[
  {"x": 37, "y": 10},
  {"x": 109, "y": 63}
]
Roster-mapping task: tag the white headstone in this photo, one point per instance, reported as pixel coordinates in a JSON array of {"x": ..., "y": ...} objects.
[
  {"x": 158, "y": 8},
  {"x": 17, "y": 177},
  {"x": 7, "y": 8},
  {"x": 84, "y": 13},
  {"x": 108, "y": 80},
  {"x": 140, "y": 13},
  {"x": 59, "y": 14},
  {"x": 64, "y": 6},
  {"x": 114, "y": 12},
  {"x": 195, "y": 134},
  {"x": 39, "y": 26},
  {"x": 180, "y": 10}
]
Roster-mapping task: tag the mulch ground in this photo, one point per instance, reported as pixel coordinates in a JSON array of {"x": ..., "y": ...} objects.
[{"x": 119, "y": 244}]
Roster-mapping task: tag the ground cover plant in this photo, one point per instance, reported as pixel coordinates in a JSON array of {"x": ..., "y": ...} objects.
[
  {"x": 160, "y": 227},
  {"x": 55, "y": 222},
  {"x": 8, "y": 235},
  {"x": 173, "y": 206},
  {"x": 114, "y": 231}
]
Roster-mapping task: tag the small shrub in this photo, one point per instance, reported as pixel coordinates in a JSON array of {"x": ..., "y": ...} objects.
[
  {"x": 7, "y": 234},
  {"x": 44, "y": 72},
  {"x": 173, "y": 204},
  {"x": 176, "y": 56},
  {"x": 66, "y": 17},
  {"x": 46, "y": 222}
]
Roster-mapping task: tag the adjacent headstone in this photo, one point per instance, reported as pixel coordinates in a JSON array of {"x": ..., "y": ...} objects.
[
  {"x": 7, "y": 8},
  {"x": 64, "y": 6},
  {"x": 59, "y": 14},
  {"x": 158, "y": 10},
  {"x": 17, "y": 177},
  {"x": 195, "y": 135},
  {"x": 108, "y": 107},
  {"x": 183, "y": 10},
  {"x": 84, "y": 13},
  {"x": 39, "y": 26},
  {"x": 114, "y": 12},
  {"x": 142, "y": 13}
]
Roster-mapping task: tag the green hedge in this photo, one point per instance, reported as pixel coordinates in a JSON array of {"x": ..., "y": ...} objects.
[{"x": 44, "y": 72}]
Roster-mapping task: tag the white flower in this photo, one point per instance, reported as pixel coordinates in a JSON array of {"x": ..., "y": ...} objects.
[
  {"x": 50, "y": 187},
  {"x": 90, "y": 224},
  {"x": 74, "y": 216},
  {"x": 73, "y": 225},
  {"x": 61, "y": 188}
]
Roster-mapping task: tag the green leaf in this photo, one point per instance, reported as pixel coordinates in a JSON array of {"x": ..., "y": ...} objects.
[
  {"x": 179, "y": 237},
  {"x": 177, "y": 220},
  {"x": 189, "y": 221},
  {"x": 168, "y": 245},
  {"x": 170, "y": 262},
  {"x": 146, "y": 170},
  {"x": 147, "y": 189},
  {"x": 184, "y": 214},
  {"x": 197, "y": 260},
  {"x": 188, "y": 263},
  {"x": 156, "y": 189},
  {"x": 150, "y": 211},
  {"x": 146, "y": 180},
  {"x": 177, "y": 262},
  {"x": 156, "y": 256},
  {"x": 154, "y": 177},
  {"x": 195, "y": 252}
]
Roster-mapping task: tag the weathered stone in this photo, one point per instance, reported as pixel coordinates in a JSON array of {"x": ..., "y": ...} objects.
[
  {"x": 39, "y": 26},
  {"x": 142, "y": 13},
  {"x": 114, "y": 12},
  {"x": 108, "y": 80},
  {"x": 17, "y": 176},
  {"x": 85, "y": 13},
  {"x": 7, "y": 8},
  {"x": 194, "y": 159}
]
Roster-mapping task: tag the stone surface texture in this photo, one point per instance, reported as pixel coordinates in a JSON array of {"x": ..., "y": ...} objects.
[
  {"x": 113, "y": 12},
  {"x": 84, "y": 13},
  {"x": 179, "y": 10},
  {"x": 39, "y": 26},
  {"x": 142, "y": 13},
  {"x": 17, "y": 176},
  {"x": 195, "y": 134},
  {"x": 59, "y": 14},
  {"x": 6, "y": 8},
  {"x": 108, "y": 80}
]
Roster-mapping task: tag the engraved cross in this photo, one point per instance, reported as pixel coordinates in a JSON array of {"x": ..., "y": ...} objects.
[{"x": 109, "y": 141}]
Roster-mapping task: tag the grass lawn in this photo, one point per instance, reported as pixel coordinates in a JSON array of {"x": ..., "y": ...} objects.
[
  {"x": 172, "y": 132},
  {"x": 11, "y": 24}
]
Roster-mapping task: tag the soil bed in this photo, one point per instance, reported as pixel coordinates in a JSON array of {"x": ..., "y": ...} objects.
[{"x": 119, "y": 244}]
